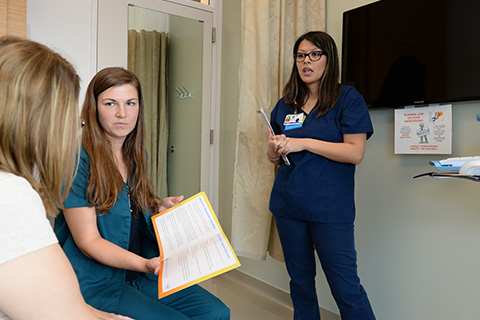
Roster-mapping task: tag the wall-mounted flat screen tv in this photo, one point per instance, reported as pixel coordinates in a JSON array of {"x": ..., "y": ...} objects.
[{"x": 413, "y": 52}]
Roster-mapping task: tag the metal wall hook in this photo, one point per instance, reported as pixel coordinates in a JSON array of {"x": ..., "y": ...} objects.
[
  {"x": 183, "y": 93},
  {"x": 188, "y": 94}
]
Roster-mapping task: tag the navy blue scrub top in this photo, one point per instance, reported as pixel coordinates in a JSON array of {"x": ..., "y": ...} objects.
[{"x": 314, "y": 188}]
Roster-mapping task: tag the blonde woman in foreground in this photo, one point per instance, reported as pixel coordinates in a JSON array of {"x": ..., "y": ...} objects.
[{"x": 38, "y": 133}]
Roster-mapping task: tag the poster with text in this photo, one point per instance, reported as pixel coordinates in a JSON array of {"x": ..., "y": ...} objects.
[{"x": 426, "y": 130}]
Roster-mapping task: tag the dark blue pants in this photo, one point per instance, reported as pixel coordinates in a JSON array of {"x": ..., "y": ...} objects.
[
  {"x": 335, "y": 246},
  {"x": 140, "y": 301}
]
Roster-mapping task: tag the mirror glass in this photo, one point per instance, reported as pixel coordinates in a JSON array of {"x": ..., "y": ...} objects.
[{"x": 165, "y": 52}]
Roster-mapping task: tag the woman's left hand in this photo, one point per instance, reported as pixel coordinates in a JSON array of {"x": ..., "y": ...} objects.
[
  {"x": 351, "y": 150},
  {"x": 290, "y": 145},
  {"x": 169, "y": 202}
]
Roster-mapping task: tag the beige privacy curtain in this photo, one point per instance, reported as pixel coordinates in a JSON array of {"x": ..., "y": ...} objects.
[
  {"x": 147, "y": 58},
  {"x": 269, "y": 31}
]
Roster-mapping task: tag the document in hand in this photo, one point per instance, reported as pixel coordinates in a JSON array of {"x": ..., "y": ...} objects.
[
  {"x": 192, "y": 245},
  {"x": 267, "y": 125}
]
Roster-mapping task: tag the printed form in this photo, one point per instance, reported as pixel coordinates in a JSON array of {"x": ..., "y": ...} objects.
[{"x": 193, "y": 246}]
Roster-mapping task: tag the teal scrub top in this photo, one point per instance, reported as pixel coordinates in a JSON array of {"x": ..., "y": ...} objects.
[
  {"x": 314, "y": 188},
  {"x": 102, "y": 285}
]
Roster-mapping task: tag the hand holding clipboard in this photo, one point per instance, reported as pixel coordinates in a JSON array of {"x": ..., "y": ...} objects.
[{"x": 267, "y": 125}]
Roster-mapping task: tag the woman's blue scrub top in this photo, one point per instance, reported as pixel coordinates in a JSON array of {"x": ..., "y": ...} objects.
[
  {"x": 101, "y": 285},
  {"x": 314, "y": 188}
]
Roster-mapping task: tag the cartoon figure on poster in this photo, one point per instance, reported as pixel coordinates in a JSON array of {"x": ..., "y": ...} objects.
[
  {"x": 437, "y": 116},
  {"x": 423, "y": 132}
]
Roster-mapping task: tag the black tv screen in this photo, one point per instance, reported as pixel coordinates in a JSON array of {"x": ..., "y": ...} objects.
[{"x": 413, "y": 52}]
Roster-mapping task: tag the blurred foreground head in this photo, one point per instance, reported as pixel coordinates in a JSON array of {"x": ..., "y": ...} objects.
[{"x": 39, "y": 118}]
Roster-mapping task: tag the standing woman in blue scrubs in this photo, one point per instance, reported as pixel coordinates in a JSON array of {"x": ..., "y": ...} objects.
[
  {"x": 106, "y": 228},
  {"x": 322, "y": 127}
]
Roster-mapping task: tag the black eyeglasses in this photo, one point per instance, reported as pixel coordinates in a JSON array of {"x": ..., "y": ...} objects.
[{"x": 314, "y": 56}]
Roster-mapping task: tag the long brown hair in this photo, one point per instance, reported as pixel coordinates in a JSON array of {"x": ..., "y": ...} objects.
[
  {"x": 105, "y": 181},
  {"x": 296, "y": 91},
  {"x": 38, "y": 118}
]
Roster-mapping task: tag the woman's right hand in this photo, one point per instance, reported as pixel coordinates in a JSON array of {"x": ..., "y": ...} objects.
[
  {"x": 276, "y": 146},
  {"x": 153, "y": 265},
  {"x": 83, "y": 226}
]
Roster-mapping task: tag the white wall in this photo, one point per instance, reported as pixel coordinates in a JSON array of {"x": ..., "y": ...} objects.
[{"x": 66, "y": 27}]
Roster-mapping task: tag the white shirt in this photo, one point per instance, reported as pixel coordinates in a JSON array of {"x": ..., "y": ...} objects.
[{"x": 24, "y": 226}]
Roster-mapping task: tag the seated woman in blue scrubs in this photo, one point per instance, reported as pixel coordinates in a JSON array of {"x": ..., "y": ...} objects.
[
  {"x": 322, "y": 127},
  {"x": 105, "y": 228}
]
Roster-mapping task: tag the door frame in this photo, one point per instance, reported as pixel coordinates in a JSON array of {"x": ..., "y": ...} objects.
[{"x": 110, "y": 49}]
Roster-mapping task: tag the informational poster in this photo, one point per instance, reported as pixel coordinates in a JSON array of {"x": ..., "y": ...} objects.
[{"x": 426, "y": 130}]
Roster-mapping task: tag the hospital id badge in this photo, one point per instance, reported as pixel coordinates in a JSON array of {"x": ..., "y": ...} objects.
[{"x": 293, "y": 121}]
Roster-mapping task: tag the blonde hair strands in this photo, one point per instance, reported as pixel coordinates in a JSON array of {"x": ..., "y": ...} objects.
[{"x": 38, "y": 118}]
